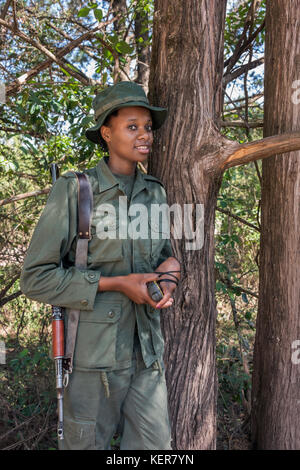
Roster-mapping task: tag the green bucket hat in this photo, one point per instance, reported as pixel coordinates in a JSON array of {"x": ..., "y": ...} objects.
[{"x": 121, "y": 95}]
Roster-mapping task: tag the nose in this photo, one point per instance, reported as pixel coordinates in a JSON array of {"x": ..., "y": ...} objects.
[{"x": 144, "y": 135}]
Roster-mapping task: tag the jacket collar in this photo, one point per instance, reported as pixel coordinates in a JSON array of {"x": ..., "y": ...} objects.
[{"x": 107, "y": 180}]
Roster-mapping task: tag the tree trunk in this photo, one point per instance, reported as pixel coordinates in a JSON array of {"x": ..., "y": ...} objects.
[
  {"x": 142, "y": 49},
  {"x": 276, "y": 377},
  {"x": 186, "y": 76}
]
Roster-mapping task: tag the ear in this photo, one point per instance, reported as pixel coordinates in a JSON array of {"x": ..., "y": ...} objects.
[{"x": 105, "y": 133}]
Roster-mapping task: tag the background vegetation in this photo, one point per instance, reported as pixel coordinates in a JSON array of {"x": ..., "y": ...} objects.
[{"x": 44, "y": 120}]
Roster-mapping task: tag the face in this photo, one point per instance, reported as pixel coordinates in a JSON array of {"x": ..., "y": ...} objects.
[{"x": 129, "y": 135}]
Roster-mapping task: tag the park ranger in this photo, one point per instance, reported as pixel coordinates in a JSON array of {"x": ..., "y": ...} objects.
[{"x": 118, "y": 381}]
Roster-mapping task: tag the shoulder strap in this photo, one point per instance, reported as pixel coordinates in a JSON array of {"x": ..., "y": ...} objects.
[{"x": 85, "y": 208}]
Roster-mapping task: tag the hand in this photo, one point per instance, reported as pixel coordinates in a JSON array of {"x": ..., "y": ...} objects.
[
  {"x": 167, "y": 300},
  {"x": 170, "y": 264},
  {"x": 134, "y": 286}
]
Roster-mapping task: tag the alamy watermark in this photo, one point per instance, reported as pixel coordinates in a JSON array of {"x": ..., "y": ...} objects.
[
  {"x": 2, "y": 93},
  {"x": 296, "y": 353},
  {"x": 296, "y": 93},
  {"x": 2, "y": 353},
  {"x": 141, "y": 222}
]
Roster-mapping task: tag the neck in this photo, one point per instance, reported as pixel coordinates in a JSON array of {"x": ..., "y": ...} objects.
[{"x": 121, "y": 168}]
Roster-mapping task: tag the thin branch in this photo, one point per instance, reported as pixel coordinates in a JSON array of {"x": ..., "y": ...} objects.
[
  {"x": 244, "y": 42},
  {"x": 252, "y": 99},
  {"x": 69, "y": 38},
  {"x": 240, "y": 219},
  {"x": 14, "y": 86},
  {"x": 5, "y": 9},
  {"x": 10, "y": 297},
  {"x": 227, "y": 282},
  {"x": 251, "y": 125},
  {"x": 54, "y": 58},
  {"x": 248, "y": 42},
  {"x": 9, "y": 200},
  {"x": 235, "y": 154},
  {"x": 229, "y": 77},
  {"x": 239, "y": 114},
  {"x": 246, "y": 400},
  {"x": 258, "y": 172},
  {"x": 9, "y": 285},
  {"x": 14, "y": 9},
  {"x": 3, "y": 436},
  {"x": 15, "y": 130}
]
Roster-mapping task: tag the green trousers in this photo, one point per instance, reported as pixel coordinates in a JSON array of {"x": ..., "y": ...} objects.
[{"x": 132, "y": 402}]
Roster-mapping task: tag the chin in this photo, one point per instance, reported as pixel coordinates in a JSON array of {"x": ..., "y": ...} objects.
[{"x": 142, "y": 158}]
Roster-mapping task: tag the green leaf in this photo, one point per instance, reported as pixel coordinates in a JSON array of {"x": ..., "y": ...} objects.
[
  {"x": 84, "y": 12},
  {"x": 123, "y": 47},
  {"x": 23, "y": 353},
  {"x": 98, "y": 14},
  {"x": 87, "y": 120},
  {"x": 248, "y": 315}
]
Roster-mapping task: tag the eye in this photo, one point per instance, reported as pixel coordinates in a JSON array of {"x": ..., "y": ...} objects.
[{"x": 148, "y": 127}]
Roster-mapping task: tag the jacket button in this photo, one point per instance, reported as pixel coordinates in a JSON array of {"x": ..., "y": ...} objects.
[
  {"x": 84, "y": 302},
  {"x": 91, "y": 276},
  {"x": 111, "y": 314}
]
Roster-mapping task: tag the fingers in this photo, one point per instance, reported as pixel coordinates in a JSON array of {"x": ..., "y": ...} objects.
[
  {"x": 165, "y": 302},
  {"x": 169, "y": 303},
  {"x": 151, "y": 277}
]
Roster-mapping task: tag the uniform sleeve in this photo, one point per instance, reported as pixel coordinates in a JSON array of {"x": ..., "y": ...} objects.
[
  {"x": 166, "y": 252},
  {"x": 42, "y": 277}
]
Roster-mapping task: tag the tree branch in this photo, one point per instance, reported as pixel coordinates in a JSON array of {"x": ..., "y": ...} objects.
[
  {"x": 235, "y": 154},
  {"x": 5, "y": 9},
  {"x": 9, "y": 285},
  {"x": 10, "y": 297},
  {"x": 14, "y": 86},
  {"x": 228, "y": 77},
  {"x": 244, "y": 41},
  {"x": 54, "y": 58},
  {"x": 24, "y": 196},
  {"x": 240, "y": 219},
  {"x": 16, "y": 130},
  {"x": 227, "y": 282},
  {"x": 252, "y": 125}
]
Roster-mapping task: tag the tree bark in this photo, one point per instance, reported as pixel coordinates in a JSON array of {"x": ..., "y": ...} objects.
[
  {"x": 276, "y": 376},
  {"x": 142, "y": 49},
  {"x": 186, "y": 76}
]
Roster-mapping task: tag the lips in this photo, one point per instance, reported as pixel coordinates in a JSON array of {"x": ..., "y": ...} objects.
[{"x": 143, "y": 148}]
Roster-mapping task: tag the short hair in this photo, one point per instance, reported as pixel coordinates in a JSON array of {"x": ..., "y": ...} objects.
[{"x": 103, "y": 144}]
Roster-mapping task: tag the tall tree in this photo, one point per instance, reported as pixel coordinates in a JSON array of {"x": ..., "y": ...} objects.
[
  {"x": 190, "y": 156},
  {"x": 276, "y": 377}
]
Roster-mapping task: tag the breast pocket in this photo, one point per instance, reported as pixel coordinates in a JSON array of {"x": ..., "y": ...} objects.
[
  {"x": 105, "y": 245},
  {"x": 97, "y": 336}
]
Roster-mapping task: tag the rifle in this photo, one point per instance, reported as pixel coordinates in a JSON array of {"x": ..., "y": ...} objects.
[
  {"x": 64, "y": 358},
  {"x": 58, "y": 344}
]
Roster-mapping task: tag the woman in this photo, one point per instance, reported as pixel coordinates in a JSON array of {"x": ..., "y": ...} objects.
[{"x": 118, "y": 382}]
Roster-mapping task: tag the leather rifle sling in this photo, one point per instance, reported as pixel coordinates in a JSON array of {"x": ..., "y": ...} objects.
[{"x": 85, "y": 208}]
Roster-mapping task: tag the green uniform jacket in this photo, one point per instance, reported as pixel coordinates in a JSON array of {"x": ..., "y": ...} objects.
[{"x": 107, "y": 319}]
